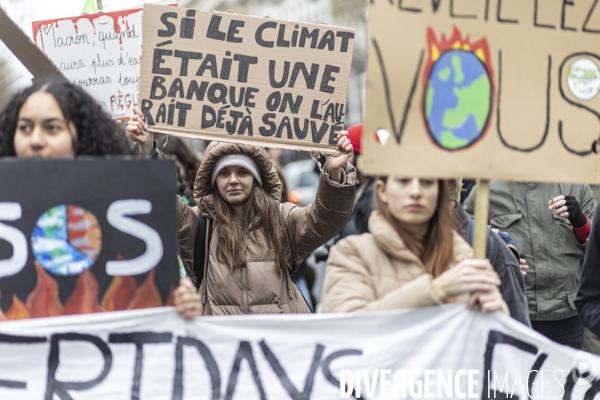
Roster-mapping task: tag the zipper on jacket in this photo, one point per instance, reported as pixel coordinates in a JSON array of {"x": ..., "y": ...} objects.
[{"x": 245, "y": 290}]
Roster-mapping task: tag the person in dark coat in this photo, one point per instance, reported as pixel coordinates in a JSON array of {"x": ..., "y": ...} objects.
[
  {"x": 588, "y": 294},
  {"x": 506, "y": 266},
  {"x": 502, "y": 259}
]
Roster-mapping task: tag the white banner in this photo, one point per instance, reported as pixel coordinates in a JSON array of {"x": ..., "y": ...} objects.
[{"x": 440, "y": 352}]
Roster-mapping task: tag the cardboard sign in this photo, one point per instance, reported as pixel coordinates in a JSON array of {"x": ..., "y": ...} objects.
[
  {"x": 237, "y": 78},
  {"x": 444, "y": 352},
  {"x": 83, "y": 236},
  {"x": 99, "y": 52},
  {"x": 496, "y": 90}
]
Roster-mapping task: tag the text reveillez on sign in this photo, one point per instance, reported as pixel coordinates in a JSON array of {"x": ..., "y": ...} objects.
[
  {"x": 230, "y": 77},
  {"x": 493, "y": 90}
]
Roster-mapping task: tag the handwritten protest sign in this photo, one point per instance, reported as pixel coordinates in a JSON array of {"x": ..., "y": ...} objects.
[
  {"x": 493, "y": 90},
  {"x": 99, "y": 52},
  {"x": 231, "y": 77},
  {"x": 76, "y": 247}
]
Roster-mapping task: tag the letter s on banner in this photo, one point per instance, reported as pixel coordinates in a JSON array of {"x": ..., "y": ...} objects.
[
  {"x": 12, "y": 266},
  {"x": 117, "y": 216}
]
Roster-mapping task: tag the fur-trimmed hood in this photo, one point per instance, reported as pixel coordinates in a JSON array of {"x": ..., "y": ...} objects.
[{"x": 217, "y": 150}]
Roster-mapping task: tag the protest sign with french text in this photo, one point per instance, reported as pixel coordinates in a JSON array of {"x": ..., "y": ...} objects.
[
  {"x": 479, "y": 89},
  {"x": 99, "y": 52},
  {"x": 230, "y": 77}
]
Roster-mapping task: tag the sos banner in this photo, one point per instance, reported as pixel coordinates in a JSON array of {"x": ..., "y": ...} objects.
[
  {"x": 86, "y": 236},
  {"x": 442, "y": 352},
  {"x": 504, "y": 89}
]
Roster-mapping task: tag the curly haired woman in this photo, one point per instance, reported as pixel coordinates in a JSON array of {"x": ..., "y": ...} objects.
[{"x": 57, "y": 119}]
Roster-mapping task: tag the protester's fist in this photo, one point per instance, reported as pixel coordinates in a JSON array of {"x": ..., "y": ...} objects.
[
  {"x": 186, "y": 300},
  {"x": 568, "y": 207},
  {"x": 488, "y": 301},
  {"x": 335, "y": 163},
  {"x": 468, "y": 276},
  {"x": 138, "y": 130}
]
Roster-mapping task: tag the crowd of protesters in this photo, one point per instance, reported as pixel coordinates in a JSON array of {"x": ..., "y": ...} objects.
[{"x": 400, "y": 242}]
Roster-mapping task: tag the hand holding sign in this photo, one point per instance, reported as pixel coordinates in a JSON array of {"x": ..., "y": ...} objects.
[
  {"x": 335, "y": 163},
  {"x": 468, "y": 276},
  {"x": 137, "y": 128},
  {"x": 489, "y": 301},
  {"x": 186, "y": 300}
]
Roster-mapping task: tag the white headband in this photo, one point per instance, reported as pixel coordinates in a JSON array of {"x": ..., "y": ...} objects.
[{"x": 238, "y": 160}]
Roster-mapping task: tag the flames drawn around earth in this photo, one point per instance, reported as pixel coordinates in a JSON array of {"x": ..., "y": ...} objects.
[
  {"x": 66, "y": 240},
  {"x": 458, "y": 90},
  {"x": 122, "y": 294}
]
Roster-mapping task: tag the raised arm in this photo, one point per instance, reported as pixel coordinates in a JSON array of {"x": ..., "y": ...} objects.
[{"x": 312, "y": 226}]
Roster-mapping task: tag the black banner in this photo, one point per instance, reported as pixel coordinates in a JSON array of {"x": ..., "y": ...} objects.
[{"x": 87, "y": 235}]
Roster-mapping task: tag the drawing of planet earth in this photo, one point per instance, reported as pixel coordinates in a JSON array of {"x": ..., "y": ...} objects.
[
  {"x": 458, "y": 99},
  {"x": 66, "y": 240}
]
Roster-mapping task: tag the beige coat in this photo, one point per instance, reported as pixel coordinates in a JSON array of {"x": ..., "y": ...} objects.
[
  {"x": 375, "y": 271},
  {"x": 259, "y": 288}
]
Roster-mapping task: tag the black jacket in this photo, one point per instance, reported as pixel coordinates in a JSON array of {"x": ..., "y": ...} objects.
[
  {"x": 506, "y": 265},
  {"x": 588, "y": 295},
  {"x": 359, "y": 221}
]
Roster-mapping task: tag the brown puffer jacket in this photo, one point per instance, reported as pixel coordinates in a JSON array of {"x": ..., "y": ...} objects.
[
  {"x": 258, "y": 288},
  {"x": 375, "y": 271}
]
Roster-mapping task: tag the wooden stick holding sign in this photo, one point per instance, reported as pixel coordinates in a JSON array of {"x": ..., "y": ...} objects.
[
  {"x": 482, "y": 208},
  {"x": 244, "y": 79}
]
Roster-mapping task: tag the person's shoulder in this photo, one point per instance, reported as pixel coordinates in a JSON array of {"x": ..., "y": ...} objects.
[
  {"x": 356, "y": 244},
  {"x": 357, "y": 240},
  {"x": 574, "y": 189},
  {"x": 501, "y": 188},
  {"x": 356, "y": 253},
  {"x": 462, "y": 249}
]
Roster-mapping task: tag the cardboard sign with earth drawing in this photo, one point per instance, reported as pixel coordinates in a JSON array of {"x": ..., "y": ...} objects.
[{"x": 504, "y": 89}]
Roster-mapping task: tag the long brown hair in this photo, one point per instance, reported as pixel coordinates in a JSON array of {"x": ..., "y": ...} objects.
[
  {"x": 436, "y": 249},
  {"x": 261, "y": 214}
]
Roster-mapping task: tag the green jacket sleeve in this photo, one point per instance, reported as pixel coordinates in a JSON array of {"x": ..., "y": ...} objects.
[{"x": 470, "y": 202}]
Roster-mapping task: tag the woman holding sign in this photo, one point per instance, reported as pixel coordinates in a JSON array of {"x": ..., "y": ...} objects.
[
  {"x": 240, "y": 244},
  {"x": 58, "y": 119},
  {"x": 411, "y": 258}
]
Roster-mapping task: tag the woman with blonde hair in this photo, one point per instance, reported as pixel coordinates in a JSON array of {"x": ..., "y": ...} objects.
[{"x": 411, "y": 258}]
